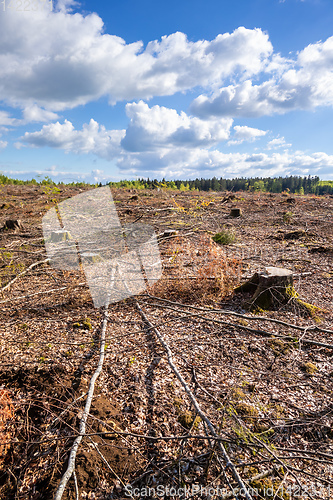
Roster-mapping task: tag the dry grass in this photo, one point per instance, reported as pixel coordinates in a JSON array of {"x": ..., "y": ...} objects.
[{"x": 6, "y": 431}]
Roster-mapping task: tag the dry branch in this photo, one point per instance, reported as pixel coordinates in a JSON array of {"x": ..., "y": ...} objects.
[
  {"x": 24, "y": 272},
  {"x": 244, "y": 316},
  {"x": 71, "y": 461},
  {"x": 194, "y": 402},
  {"x": 264, "y": 333}
]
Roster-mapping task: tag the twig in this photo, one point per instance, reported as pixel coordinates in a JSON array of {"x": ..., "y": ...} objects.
[
  {"x": 66, "y": 410},
  {"x": 194, "y": 402},
  {"x": 71, "y": 461},
  {"x": 24, "y": 272},
  {"x": 270, "y": 451},
  {"x": 261, "y": 475},
  {"x": 124, "y": 434},
  {"x": 53, "y": 290},
  {"x": 202, "y": 388},
  {"x": 107, "y": 463},
  {"x": 309, "y": 452}
]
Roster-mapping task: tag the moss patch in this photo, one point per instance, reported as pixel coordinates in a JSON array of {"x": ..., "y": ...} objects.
[
  {"x": 237, "y": 394},
  {"x": 188, "y": 420},
  {"x": 310, "y": 309},
  {"x": 84, "y": 324},
  {"x": 269, "y": 489},
  {"x": 279, "y": 346},
  {"x": 246, "y": 409}
]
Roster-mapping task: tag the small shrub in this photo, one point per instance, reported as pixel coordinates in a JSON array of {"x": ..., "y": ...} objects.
[
  {"x": 216, "y": 273},
  {"x": 84, "y": 324},
  {"x": 224, "y": 237}
]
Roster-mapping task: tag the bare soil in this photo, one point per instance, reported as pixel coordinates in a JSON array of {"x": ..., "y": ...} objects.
[{"x": 266, "y": 386}]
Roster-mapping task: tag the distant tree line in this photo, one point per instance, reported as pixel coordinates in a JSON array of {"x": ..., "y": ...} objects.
[{"x": 292, "y": 184}]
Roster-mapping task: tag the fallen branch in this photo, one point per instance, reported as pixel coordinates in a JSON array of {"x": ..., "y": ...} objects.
[
  {"x": 24, "y": 272},
  {"x": 125, "y": 434},
  {"x": 264, "y": 333},
  {"x": 53, "y": 290},
  {"x": 194, "y": 402},
  {"x": 271, "y": 452},
  {"x": 309, "y": 452},
  {"x": 262, "y": 475},
  {"x": 107, "y": 463},
  {"x": 71, "y": 461},
  {"x": 244, "y": 316}
]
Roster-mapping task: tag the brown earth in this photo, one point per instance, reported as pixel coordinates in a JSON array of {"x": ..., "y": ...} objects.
[{"x": 263, "y": 384}]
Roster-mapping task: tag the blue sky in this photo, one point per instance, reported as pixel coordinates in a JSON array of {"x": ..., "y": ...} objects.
[{"x": 100, "y": 91}]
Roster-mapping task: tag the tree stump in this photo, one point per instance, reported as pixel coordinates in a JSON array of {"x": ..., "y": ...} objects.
[
  {"x": 271, "y": 289},
  {"x": 59, "y": 235},
  {"x": 235, "y": 212},
  {"x": 13, "y": 224},
  {"x": 91, "y": 258}
]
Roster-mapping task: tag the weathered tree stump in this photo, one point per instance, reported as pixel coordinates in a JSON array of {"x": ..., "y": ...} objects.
[
  {"x": 59, "y": 235},
  {"x": 235, "y": 212},
  {"x": 91, "y": 258},
  {"x": 271, "y": 289},
  {"x": 13, "y": 224}
]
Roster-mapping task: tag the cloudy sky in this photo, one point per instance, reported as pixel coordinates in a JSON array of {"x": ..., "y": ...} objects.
[{"x": 109, "y": 90}]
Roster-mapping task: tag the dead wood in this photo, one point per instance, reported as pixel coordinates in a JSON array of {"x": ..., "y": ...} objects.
[
  {"x": 198, "y": 409},
  {"x": 235, "y": 212},
  {"x": 273, "y": 289},
  {"x": 24, "y": 272},
  {"x": 15, "y": 224},
  {"x": 38, "y": 339},
  {"x": 83, "y": 422}
]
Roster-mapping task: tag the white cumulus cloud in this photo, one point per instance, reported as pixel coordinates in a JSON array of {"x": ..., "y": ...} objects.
[
  {"x": 93, "y": 138},
  {"x": 156, "y": 127},
  {"x": 33, "y": 113},
  {"x": 160, "y": 142},
  {"x": 150, "y": 129},
  {"x": 244, "y": 133},
  {"x": 192, "y": 163},
  {"x": 59, "y": 60},
  {"x": 306, "y": 86},
  {"x": 6, "y": 119},
  {"x": 156, "y": 152},
  {"x": 278, "y": 142}
]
